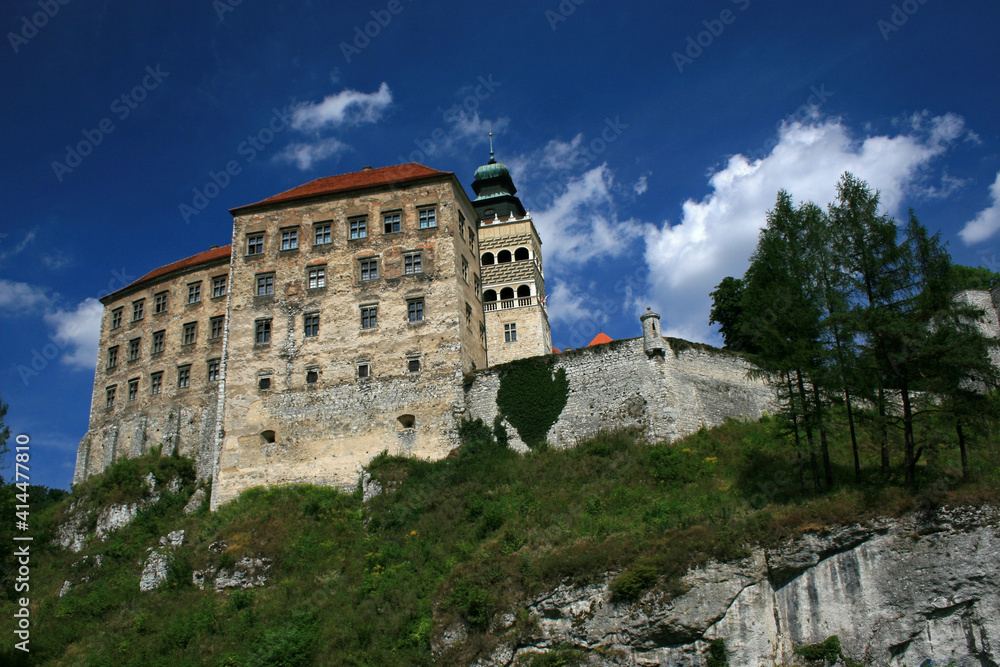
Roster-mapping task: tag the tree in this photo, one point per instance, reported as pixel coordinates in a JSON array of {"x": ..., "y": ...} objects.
[
  {"x": 727, "y": 312},
  {"x": 4, "y": 436}
]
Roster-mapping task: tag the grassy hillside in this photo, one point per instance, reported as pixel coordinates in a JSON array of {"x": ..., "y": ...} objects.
[{"x": 466, "y": 538}]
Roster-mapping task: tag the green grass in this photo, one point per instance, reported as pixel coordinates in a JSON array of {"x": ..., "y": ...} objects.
[{"x": 462, "y": 539}]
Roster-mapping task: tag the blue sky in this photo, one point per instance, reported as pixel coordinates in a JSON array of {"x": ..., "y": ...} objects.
[{"x": 648, "y": 139}]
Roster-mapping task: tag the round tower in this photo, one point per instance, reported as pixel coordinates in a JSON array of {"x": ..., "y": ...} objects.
[{"x": 652, "y": 336}]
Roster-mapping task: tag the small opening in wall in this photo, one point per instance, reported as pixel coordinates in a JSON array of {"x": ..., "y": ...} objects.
[
  {"x": 312, "y": 377},
  {"x": 267, "y": 436},
  {"x": 406, "y": 421},
  {"x": 413, "y": 365},
  {"x": 264, "y": 383}
]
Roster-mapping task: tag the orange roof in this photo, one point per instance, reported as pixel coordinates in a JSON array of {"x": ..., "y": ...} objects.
[
  {"x": 599, "y": 339},
  {"x": 190, "y": 262},
  {"x": 366, "y": 178},
  {"x": 554, "y": 350}
]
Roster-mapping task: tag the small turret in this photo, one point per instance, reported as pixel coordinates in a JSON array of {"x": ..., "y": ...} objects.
[{"x": 652, "y": 336}]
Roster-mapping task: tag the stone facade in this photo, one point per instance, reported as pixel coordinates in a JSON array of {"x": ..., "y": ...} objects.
[{"x": 161, "y": 338}]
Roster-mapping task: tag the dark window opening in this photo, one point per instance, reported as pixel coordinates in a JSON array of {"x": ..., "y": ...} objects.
[{"x": 521, "y": 254}]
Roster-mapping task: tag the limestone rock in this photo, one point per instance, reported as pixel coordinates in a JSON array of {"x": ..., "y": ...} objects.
[
  {"x": 196, "y": 501},
  {"x": 154, "y": 572},
  {"x": 65, "y": 588},
  {"x": 246, "y": 573}
]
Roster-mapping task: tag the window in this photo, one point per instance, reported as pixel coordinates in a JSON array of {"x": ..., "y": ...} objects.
[
  {"x": 521, "y": 254},
  {"x": 369, "y": 269},
  {"x": 461, "y": 228},
  {"x": 109, "y": 397},
  {"x": 415, "y": 310},
  {"x": 160, "y": 303},
  {"x": 137, "y": 309},
  {"x": 475, "y": 280},
  {"x": 134, "y": 349},
  {"x": 468, "y": 313},
  {"x": 510, "y": 333},
  {"x": 413, "y": 365},
  {"x": 317, "y": 277},
  {"x": 364, "y": 369},
  {"x": 218, "y": 286},
  {"x": 391, "y": 222},
  {"x": 218, "y": 326},
  {"x": 116, "y": 318},
  {"x": 265, "y": 284},
  {"x": 263, "y": 332},
  {"x": 428, "y": 218},
  {"x": 264, "y": 383},
  {"x": 369, "y": 317},
  {"x": 312, "y": 376},
  {"x": 322, "y": 234},
  {"x": 155, "y": 383},
  {"x": 183, "y": 377},
  {"x": 412, "y": 263},
  {"x": 158, "y": 341},
  {"x": 112, "y": 356},
  {"x": 406, "y": 421},
  {"x": 487, "y": 258},
  {"x": 503, "y": 256},
  {"x": 289, "y": 239},
  {"x": 194, "y": 292},
  {"x": 213, "y": 370},
  {"x": 472, "y": 239},
  {"x": 133, "y": 389},
  {"x": 359, "y": 227},
  {"x": 312, "y": 325},
  {"x": 190, "y": 333},
  {"x": 255, "y": 244},
  {"x": 465, "y": 269}
]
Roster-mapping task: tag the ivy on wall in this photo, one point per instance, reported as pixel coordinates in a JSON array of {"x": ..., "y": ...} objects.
[{"x": 531, "y": 397}]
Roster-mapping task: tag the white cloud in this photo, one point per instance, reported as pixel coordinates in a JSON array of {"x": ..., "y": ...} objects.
[
  {"x": 641, "y": 185},
  {"x": 22, "y": 298},
  {"x": 304, "y": 155},
  {"x": 566, "y": 306},
  {"x": 987, "y": 223},
  {"x": 716, "y": 235},
  {"x": 348, "y": 107},
  {"x": 6, "y": 251},
  {"x": 78, "y": 331}
]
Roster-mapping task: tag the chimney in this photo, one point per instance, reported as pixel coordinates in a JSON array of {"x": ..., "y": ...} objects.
[{"x": 366, "y": 168}]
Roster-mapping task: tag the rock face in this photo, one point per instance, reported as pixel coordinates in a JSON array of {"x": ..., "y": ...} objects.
[
  {"x": 896, "y": 592},
  {"x": 157, "y": 565}
]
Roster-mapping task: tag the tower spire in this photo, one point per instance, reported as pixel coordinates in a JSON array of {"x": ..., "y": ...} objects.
[{"x": 492, "y": 160}]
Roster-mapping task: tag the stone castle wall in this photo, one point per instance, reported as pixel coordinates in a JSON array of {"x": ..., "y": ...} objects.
[{"x": 616, "y": 385}]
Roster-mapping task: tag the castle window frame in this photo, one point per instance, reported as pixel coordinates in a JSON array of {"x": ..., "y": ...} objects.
[
  {"x": 316, "y": 276},
  {"x": 311, "y": 325},
  {"x": 265, "y": 284},
  {"x": 461, "y": 227},
  {"x": 137, "y": 309},
  {"x": 217, "y": 327},
  {"x": 133, "y": 389},
  {"x": 510, "y": 332},
  {"x": 468, "y": 313},
  {"x": 364, "y": 369},
  {"x": 289, "y": 239},
  {"x": 190, "y": 333},
  {"x": 369, "y": 316},
  {"x": 357, "y": 227},
  {"x": 184, "y": 376},
  {"x": 159, "y": 341},
  {"x": 194, "y": 293},
  {"x": 427, "y": 217},
  {"x": 412, "y": 263},
  {"x": 213, "y": 370},
  {"x": 392, "y": 222},
  {"x": 112, "y": 356},
  {"x": 488, "y": 259},
  {"x": 109, "y": 396},
  {"x": 413, "y": 364},
  {"x": 255, "y": 243},
  {"x": 219, "y": 286},
  {"x": 368, "y": 269},
  {"x": 504, "y": 257},
  {"x": 415, "y": 310},
  {"x": 135, "y": 349},
  {"x": 520, "y": 256},
  {"x": 465, "y": 269},
  {"x": 264, "y": 384},
  {"x": 262, "y": 331},
  {"x": 322, "y": 233},
  {"x": 312, "y": 374},
  {"x": 116, "y": 317},
  {"x": 155, "y": 383},
  {"x": 160, "y": 303},
  {"x": 478, "y": 286}
]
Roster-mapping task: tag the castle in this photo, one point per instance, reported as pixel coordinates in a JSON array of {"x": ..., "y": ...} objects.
[{"x": 364, "y": 312}]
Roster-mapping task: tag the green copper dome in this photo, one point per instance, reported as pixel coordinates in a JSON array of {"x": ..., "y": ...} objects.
[{"x": 492, "y": 170}]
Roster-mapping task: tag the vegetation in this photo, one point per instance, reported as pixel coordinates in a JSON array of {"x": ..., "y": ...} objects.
[
  {"x": 531, "y": 397},
  {"x": 844, "y": 308},
  {"x": 465, "y": 539}
]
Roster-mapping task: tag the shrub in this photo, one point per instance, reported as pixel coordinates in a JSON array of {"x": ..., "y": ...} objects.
[
  {"x": 717, "y": 654},
  {"x": 827, "y": 650},
  {"x": 631, "y": 583}
]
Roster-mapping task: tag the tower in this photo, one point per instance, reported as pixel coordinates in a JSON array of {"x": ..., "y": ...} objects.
[
  {"x": 510, "y": 257},
  {"x": 652, "y": 335}
]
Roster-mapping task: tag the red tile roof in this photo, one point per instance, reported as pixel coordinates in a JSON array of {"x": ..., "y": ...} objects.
[
  {"x": 554, "y": 350},
  {"x": 599, "y": 339},
  {"x": 206, "y": 257},
  {"x": 356, "y": 180}
]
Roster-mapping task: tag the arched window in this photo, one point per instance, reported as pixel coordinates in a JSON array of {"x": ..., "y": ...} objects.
[
  {"x": 506, "y": 293},
  {"x": 521, "y": 254},
  {"x": 523, "y": 291},
  {"x": 503, "y": 256},
  {"x": 407, "y": 421},
  {"x": 487, "y": 258},
  {"x": 489, "y": 295}
]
